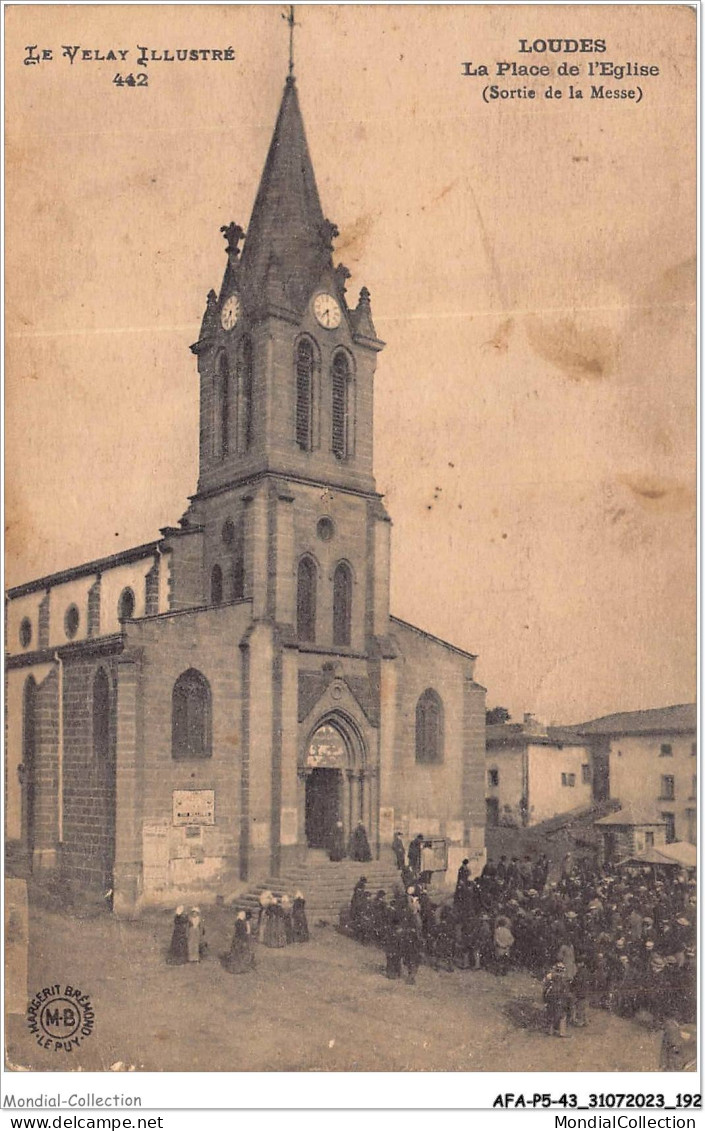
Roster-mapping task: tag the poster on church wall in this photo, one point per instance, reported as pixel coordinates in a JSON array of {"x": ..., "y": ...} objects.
[
  {"x": 193, "y": 807},
  {"x": 349, "y": 345}
]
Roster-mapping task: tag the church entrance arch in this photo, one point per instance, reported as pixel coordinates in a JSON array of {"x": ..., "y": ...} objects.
[{"x": 334, "y": 774}]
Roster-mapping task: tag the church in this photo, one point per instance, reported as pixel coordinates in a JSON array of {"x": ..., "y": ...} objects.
[{"x": 200, "y": 711}]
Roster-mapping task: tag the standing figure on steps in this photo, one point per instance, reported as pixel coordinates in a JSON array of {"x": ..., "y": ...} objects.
[
  {"x": 299, "y": 921},
  {"x": 178, "y": 951},
  {"x": 359, "y": 844},
  {"x": 399, "y": 850},
  {"x": 336, "y": 848}
]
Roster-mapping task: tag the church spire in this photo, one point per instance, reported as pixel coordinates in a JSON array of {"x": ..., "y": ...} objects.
[{"x": 288, "y": 241}]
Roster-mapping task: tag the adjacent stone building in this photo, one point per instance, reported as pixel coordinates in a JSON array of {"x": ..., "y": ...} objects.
[
  {"x": 203, "y": 708},
  {"x": 535, "y": 772},
  {"x": 649, "y": 759}
]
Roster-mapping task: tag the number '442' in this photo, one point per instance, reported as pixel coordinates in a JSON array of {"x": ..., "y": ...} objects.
[{"x": 130, "y": 80}]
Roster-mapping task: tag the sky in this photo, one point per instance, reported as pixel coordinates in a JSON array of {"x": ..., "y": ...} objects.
[{"x": 532, "y": 271}]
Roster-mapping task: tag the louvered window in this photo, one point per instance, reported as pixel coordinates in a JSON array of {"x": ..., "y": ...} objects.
[
  {"x": 245, "y": 382},
  {"x": 341, "y": 377},
  {"x": 304, "y": 395},
  {"x": 342, "y": 604},
  {"x": 223, "y": 394},
  {"x": 306, "y": 600}
]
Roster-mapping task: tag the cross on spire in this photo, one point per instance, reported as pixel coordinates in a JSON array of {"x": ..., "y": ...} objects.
[{"x": 292, "y": 24}]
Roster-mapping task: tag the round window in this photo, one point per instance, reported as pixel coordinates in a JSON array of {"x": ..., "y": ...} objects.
[
  {"x": 71, "y": 621},
  {"x": 126, "y": 605},
  {"x": 228, "y": 532},
  {"x": 325, "y": 529},
  {"x": 26, "y": 632}
]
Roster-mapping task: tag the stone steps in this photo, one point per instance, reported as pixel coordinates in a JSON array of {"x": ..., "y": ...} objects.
[{"x": 326, "y": 886}]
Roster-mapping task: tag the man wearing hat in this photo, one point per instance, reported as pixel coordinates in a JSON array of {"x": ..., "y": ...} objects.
[
  {"x": 557, "y": 997},
  {"x": 398, "y": 850}
]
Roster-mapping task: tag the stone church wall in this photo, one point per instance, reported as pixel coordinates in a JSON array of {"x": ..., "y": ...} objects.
[
  {"x": 444, "y": 798},
  {"x": 89, "y": 780},
  {"x": 183, "y": 858}
]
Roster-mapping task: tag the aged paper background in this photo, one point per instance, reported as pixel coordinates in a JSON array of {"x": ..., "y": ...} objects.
[{"x": 531, "y": 265}]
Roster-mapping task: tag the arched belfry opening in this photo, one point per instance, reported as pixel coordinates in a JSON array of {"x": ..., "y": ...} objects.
[{"x": 336, "y": 780}]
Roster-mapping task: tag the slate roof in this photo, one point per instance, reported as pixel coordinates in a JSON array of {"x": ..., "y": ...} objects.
[
  {"x": 633, "y": 815},
  {"x": 680, "y": 718},
  {"x": 286, "y": 243}
]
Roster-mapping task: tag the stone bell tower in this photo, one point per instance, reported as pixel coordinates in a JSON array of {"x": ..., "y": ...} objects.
[{"x": 286, "y": 371}]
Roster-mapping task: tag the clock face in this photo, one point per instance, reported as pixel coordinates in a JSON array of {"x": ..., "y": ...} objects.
[
  {"x": 230, "y": 313},
  {"x": 327, "y": 311}
]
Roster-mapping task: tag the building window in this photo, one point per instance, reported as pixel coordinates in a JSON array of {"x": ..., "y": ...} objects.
[
  {"x": 126, "y": 605},
  {"x": 223, "y": 395},
  {"x": 340, "y": 425},
  {"x": 670, "y": 821},
  {"x": 493, "y": 777},
  {"x": 649, "y": 839},
  {"x": 25, "y": 632},
  {"x": 228, "y": 532},
  {"x": 101, "y": 715},
  {"x": 694, "y": 787},
  {"x": 245, "y": 390},
  {"x": 429, "y": 727},
  {"x": 666, "y": 750},
  {"x": 304, "y": 395},
  {"x": 191, "y": 716},
  {"x": 586, "y": 774},
  {"x": 568, "y": 779},
  {"x": 216, "y": 585},
  {"x": 325, "y": 528},
  {"x": 693, "y": 749},
  {"x": 668, "y": 787},
  {"x": 238, "y": 577},
  {"x": 71, "y": 621},
  {"x": 342, "y": 603},
  {"x": 691, "y": 817},
  {"x": 306, "y": 600}
]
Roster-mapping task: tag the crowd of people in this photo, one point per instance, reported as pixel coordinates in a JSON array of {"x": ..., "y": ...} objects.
[
  {"x": 280, "y": 922},
  {"x": 619, "y": 939}
]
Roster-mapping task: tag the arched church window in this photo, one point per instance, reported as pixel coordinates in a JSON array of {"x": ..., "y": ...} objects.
[
  {"x": 191, "y": 716},
  {"x": 342, "y": 603},
  {"x": 304, "y": 395},
  {"x": 223, "y": 395},
  {"x": 340, "y": 421},
  {"x": 126, "y": 604},
  {"x": 245, "y": 393},
  {"x": 216, "y": 585},
  {"x": 101, "y": 715},
  {"x": 306, "y": 600},
  {"x": 429, "y": 727}
]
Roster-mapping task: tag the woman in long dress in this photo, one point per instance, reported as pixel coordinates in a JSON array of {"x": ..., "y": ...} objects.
[
  {"x": 178, "y": 951},
  {"x": 287, "y": 917},
  {"x": 265, "y": 899},
  {"x": 336, "y": 848},
  {"x": 240, "y": 959},
  {"x": 359, "y": 844},
  {"x": 299, "y": 921},
  {"x": 274, "y": 929}
]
